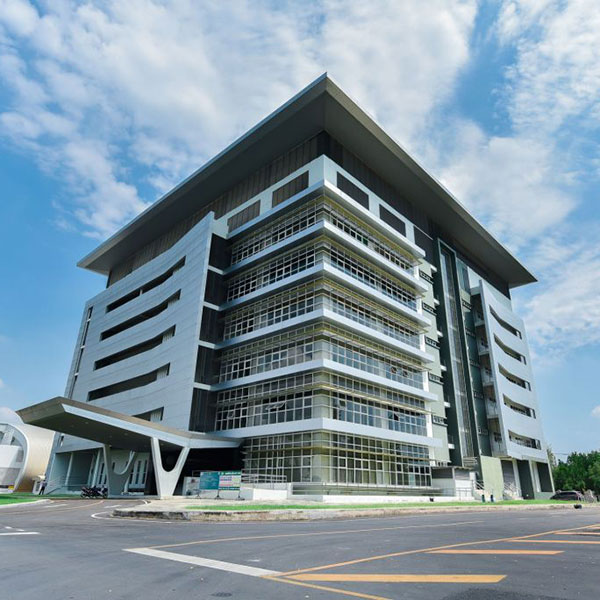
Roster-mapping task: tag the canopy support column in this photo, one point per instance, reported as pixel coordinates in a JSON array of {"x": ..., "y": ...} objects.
[
  {"x": 117, "y": 480},
  {"x": 166, "y": 480}
]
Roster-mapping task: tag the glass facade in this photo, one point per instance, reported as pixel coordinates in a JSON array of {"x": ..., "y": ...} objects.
[
  {"x": 320, "y": 342},
  {"x": 315, "y": 253},
  {"x": 338, "y": 460},
  {"x": 323, "y": 369},
  {"x": 307, "y": 298}
]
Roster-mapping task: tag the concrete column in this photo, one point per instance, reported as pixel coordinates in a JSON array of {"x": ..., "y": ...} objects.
[
  {"x": 116, "y": 480},
  {"x": 69, "y": 467},
  {"x": 166, "y": 480}
]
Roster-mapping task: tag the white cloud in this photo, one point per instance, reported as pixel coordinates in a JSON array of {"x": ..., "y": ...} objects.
[
  {"x": 564, "y": 312},
  {"x": 103, "y": 92},
  {"x": 502, "y": 179},
  {"x": 556, "y": 76},
  {"x": 596, "y": 412},
  {"x": 19, "y": 17},
  {"x": 399, "y": 61},
  {"x": 2, "y": 384},
  {"x": 525, "y": 185},
  {"x": 122, "y": 97}
]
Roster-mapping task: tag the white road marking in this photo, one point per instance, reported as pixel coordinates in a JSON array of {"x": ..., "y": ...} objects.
[
  {"x": 21, "y": 533},
  {"x": 113, "y": 506},
  {"x": 204, "y": 562}
]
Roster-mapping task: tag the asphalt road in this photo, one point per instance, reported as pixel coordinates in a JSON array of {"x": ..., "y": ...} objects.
[{"x": 73, "y": 549}]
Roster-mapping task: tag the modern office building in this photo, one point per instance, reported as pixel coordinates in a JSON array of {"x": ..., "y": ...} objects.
[
  {"x": 24, "y": 454},
  {"x": 309, "y": 306}
]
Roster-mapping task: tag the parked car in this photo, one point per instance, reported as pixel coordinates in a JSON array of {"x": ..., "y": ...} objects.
[{"x": 568, "y": 495}]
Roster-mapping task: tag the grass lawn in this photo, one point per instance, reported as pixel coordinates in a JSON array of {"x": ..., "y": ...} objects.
[
  {"x": 17, "y": 498},
  {"x": 380, "y": 505}
]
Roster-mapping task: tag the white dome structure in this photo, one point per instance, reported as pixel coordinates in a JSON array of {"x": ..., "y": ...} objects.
[{"x": 24, "y": 454}]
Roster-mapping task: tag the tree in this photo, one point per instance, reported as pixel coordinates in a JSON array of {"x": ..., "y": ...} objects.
[{"x": 579, "y": 472}]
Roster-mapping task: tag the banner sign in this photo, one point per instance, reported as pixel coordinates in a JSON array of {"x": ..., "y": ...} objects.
[
  {"x": 230, "y": 480},
  {"x": 209, "y": 480},
  {"x": 212, "y": 480}
]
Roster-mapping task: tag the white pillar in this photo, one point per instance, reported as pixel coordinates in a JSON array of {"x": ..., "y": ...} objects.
[
  {"x": 166, "y": 480},
  {"x": 116, "y": 480}
]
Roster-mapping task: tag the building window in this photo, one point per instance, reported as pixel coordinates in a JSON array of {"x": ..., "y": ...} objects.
[
  {"x": 291, "y": 188},
  {"x": 307, "y": 298},
  {"x": 319, "y": 342},
  {"x": 352, "y": 190},
  {"x": 244, "y": 216},
  {"x": 337, "y": 460},
  {"x": 318, "y": 211},
  {"x": 311, "y": 255},
  {"x": 391, "y": 219}
]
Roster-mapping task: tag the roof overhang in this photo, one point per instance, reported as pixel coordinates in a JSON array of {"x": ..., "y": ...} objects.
[
  {"x": 116, "y": 429},
  {"x": 322, "y": 106}
]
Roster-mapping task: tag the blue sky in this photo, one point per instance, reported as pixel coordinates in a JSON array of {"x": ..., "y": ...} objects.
[{"x": 104, "y": 106}]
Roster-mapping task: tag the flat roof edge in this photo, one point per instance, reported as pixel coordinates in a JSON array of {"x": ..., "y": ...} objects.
[
  {"x": 515, "y": 273},
  {"x": 87, "y": 261}
]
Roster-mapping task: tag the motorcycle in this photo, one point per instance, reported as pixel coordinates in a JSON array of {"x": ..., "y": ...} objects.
[{"x": 94, "y": 492}]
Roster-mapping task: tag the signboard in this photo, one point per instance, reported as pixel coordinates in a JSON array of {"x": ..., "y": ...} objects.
[
  {"x": 209, "y": 480},
  {"x": 230, "y": 480},
  {"x": 212, "y": 481}
]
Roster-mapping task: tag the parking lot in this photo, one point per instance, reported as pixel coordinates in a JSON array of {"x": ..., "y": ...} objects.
[{"x": 74, "y": 549}]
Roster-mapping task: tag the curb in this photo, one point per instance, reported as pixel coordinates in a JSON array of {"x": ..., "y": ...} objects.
[{"x": 313, "y": 514}]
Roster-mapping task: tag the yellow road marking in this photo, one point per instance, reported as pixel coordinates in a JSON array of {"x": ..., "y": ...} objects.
[
  {"x": 309, "y": 534},
  {"x": 292, "y": 576},
  {"x": 540, "y": 552},
  {"x": 557, "y": 541},
  {"x": 327, "y": 589},
  {"x": 400, "y": 578},
  {"x": 427, "y": 550},
  {"x": 576, "y": 533}
]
